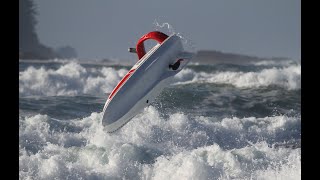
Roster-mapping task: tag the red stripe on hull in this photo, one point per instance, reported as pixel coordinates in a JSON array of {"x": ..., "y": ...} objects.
[{"x": 124, "y": 79}]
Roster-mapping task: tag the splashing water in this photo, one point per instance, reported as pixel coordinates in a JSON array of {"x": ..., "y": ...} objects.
[
  {"x": 168, "y": 29},
  {"x": 215, "y": 122}
]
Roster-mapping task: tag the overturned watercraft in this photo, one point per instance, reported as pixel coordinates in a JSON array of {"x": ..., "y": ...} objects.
[{"x": 146, "y": 79}]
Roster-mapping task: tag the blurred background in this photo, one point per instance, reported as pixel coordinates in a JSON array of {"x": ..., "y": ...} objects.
[{"x": 103, "y": 30}]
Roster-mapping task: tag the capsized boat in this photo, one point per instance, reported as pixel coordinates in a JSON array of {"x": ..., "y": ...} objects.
[{"x": 146, "y": 79}]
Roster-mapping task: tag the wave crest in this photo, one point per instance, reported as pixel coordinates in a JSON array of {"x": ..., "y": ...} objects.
[
  {"x": 286, "y": 77},
  {"x": 70, "y": 79},
  {"x": 73, "y": 79}
]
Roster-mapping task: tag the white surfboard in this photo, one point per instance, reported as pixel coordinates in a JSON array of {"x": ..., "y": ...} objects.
[{"x": 145, "y": 80}]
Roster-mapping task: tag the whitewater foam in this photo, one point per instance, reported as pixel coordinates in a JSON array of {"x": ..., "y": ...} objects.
[
  {"x": 68, "y": 79},
  {"x": 212, "y": 162},
  {"x": 214, "y": 130},
  {"x": 72, "y": 79},
  {"x": 286, "y": 77},
  {"x": 153, "y": 147}
]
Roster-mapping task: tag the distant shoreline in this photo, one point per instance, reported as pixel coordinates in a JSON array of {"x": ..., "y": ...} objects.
[
  {"x": 202, "y": 57},
  {"x": 216, "y": 57}
]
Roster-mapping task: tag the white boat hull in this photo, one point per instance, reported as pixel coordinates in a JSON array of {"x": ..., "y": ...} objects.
[{"x": 143, "y": 83}]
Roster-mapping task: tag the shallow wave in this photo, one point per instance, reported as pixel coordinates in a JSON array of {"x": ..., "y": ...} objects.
[
  {"x": 276, "y": 62},
  {"x": 286, "y": 77},
  {"x": 154, "y": 147},
  {"x": 69, "y": 79}
]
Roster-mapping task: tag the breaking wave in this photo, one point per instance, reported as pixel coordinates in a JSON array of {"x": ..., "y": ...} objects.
[
  {"x": 69, "y": 79},
  {"x": 286, "y": 77},
  {"x": 73, "y": 79}
]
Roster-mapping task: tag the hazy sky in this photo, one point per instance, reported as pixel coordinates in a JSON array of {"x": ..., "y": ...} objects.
[{"x": 106, "y": 28}]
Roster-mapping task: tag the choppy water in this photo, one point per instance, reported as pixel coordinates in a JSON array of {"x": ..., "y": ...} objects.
[{"x": 220, "y": 121}]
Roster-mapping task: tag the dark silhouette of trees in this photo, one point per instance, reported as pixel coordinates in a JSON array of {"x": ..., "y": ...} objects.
[
  {"x": 27, "y": 22},
  {"x": 29, "y": 45}
]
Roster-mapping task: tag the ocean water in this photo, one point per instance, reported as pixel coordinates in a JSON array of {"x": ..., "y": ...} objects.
[{"x": 221, "y": 121}]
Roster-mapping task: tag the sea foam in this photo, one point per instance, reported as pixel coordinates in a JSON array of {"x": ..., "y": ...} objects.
[
  {"x": 69, "y": 79},
  {"x": 286, "y": 77},
  {"x": 153, "y": 147},
  {"x": 74, "y": 79}
]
